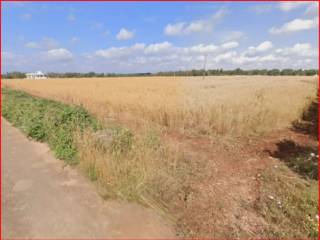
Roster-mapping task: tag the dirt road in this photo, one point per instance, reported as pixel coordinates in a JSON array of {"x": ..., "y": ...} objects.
[{"x": 43, "y": 199}]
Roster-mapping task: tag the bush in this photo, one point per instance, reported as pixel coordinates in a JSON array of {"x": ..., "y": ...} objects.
[{"x": 46, "y": 120}]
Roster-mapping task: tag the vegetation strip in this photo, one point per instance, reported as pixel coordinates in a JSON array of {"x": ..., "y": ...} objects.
[
  {"x": 194, "y": 72},
  {"x": 47, "y": 121},
  {"x": 128, "y": 167}
]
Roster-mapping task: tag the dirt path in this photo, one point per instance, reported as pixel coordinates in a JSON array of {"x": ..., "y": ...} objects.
[{"x": 41, "y": 199}]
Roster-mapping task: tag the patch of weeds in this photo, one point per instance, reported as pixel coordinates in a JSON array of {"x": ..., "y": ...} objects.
[
  {"x": 47, "y": 121},
  {"x": 92, "y": 173},
  {"x": 301, "y": 159},
  {"x": 122, "y": 140},
  {"x": 152, "y": 139},
  {"x": 289, "y": 204},
  {"x": 305, "y": 164},
  {"x": 308, "y": 124}
]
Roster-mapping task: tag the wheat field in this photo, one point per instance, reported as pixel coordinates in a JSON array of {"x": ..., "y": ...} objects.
[
  {"x": 240, "y": 105},
  {"x": 183, "y": 176}
]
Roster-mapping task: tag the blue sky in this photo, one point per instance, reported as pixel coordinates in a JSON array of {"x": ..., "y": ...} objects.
[{"x": 150, "y": 37}]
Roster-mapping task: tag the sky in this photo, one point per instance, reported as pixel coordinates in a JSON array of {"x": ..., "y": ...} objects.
[{"x": 135, "y": 37}]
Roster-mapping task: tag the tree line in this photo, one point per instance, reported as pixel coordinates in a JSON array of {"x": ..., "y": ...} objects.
[{"x": 194, "y": 72}]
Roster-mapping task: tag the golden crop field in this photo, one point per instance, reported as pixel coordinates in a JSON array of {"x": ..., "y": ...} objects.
[
  {"x": 189, "y": 171},
  {"x": 238, "y": 105}
]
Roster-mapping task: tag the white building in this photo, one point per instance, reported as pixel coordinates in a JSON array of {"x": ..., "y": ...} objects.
[{"x": 36, "y": 75}]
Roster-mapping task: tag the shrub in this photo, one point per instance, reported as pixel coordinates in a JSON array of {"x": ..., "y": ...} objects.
[{"x": 46, "y": 120}]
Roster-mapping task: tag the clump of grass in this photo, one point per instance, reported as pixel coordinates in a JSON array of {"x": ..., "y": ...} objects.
[
  {"x": 122, "y": 140},
  {"x": 305, "y": 164},
  {"x": 47, "y": 121},
  {"x": 301, "y": 159},
  {"x": 130, "y": 167},
  {"x": 288, "y": 203},
  {"x": 308, "y": 123}
]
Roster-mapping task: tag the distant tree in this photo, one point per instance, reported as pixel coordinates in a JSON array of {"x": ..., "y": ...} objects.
[
  {"x": 13, "y": 75},
  {"x": 193, "y": 72}
]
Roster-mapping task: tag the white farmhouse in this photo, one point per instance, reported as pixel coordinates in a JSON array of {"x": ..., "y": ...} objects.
[{"x": 36, "y": 75}]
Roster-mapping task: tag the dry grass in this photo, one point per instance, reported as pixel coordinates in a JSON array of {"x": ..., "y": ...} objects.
[
  {"x": 237, "y": 105},
  {"x": 138, "y": 168},
  {"x": 191, "y": 177}
]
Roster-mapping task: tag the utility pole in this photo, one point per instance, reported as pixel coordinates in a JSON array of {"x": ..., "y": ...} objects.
[{"x": 204, "y": 65}]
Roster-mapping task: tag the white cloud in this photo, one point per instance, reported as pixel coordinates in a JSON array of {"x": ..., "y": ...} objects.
[
  {"x": 119, "y": 52},
  {"x": 174, "y": 29},
  {"x": 71, "y": 18},
  {"x": 229, "y": 45},
  {"x": 228, "y": 56},
  {"x": 204, "y": 49},
  {"x": 262, "y": 47},
  {"x": 289, "y": 6},
  {"x": 182, "y": 28},
  {"x": 59, "y": 54},
  {"x": 32, "y": 45},
  {"x": 163, "y": 56},
  {"x": 231, "y": 35},
  {"x": 261, "y": 8},
  {"x": 295, "y": 25},
  {"x": 196, "y": 26},
  {"x": 204, "y": 25},
  {"x": 299, "y": 49},
  {"x": 222, "y": 12},
  {"x": 26, "y": 16},
  {"x": 311, "y": 8},
  {"x": 269, "y": 57},
  {"x": 241, "y": 60},
  {"x": 158, "y": 47},
  {"x": 45, "y": 43},
  {"x": 125, "y": 34}
]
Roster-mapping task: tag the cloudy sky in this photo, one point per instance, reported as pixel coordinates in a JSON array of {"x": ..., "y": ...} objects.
[{"x": 150, "y": 37}]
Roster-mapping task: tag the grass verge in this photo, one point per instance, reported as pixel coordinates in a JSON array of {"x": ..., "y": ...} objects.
[
  {"x": 47, "y": 121},
  {"x": 288, "y": 203}
]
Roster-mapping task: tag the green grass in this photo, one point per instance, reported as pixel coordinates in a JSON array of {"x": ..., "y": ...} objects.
[
  {"x": 288, "y": 203},
  {"x": 47, "y": 121}
]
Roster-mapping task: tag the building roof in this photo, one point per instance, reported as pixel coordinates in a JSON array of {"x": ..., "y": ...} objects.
[{"x": 36, "y": 73}]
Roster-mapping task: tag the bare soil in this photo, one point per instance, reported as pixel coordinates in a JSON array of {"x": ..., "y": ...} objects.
[
  {"x": 227, "y": 193},
  {"x": 42, "y": 198}
]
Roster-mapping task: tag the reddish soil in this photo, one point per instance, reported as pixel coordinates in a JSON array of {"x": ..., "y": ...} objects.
[{"x": 224, "y": 197}]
